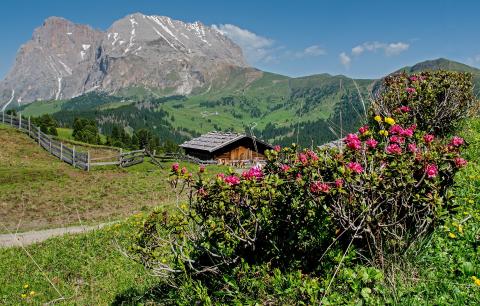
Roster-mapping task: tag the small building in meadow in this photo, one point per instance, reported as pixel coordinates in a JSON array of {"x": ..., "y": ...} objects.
[{"x": 226, "y": 148}]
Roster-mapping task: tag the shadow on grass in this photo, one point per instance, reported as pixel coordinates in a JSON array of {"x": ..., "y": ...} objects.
[{"x": 157, "y": 295}]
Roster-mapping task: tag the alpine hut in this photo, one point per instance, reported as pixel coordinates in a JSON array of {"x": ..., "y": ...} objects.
[{"x": 226, "y": 148}]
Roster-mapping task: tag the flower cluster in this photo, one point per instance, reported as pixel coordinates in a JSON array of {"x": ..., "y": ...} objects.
[
  {"x": 353, "y": 142},
  {"x": 253, "y": 173},
  {"x": 317, "y": 187}
]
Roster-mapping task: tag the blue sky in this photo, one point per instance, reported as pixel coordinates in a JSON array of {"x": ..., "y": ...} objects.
[{"x": 364, "y": 39}]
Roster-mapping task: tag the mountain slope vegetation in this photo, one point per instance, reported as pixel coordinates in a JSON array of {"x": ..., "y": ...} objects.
[{"x": 307, "y": 110}]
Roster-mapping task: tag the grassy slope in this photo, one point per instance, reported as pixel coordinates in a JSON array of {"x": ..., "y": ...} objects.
[
  {"x": 270, "y": 96},
  {"x": 42, "y": 107},
  {"x": 441, "y": 272},
  {"x": 89, "y": 269},
  {"x": 39, "y": 191},
  {"x": 265, "y": 94},
  {"x": 86, "y": 269},
  {"x": 66, "y": 133}
]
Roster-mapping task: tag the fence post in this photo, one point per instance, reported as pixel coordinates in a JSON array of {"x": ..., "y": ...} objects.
[
  {"x": 50, "y": 144},
  {"x": 61, "y": 151},
  {"x": 3, "y": 116},
  {"x": 38, "y": 129},
  {"x": 73, "y": 157},
  {"x": 88, "y": 160},
  {"x": 19, "y": 121},
  {"x": 11, "y": 120},
  {"x": 29, "y": 127}
]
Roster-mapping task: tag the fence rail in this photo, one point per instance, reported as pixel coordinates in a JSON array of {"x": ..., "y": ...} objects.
[{"x": 68, "y": 154}]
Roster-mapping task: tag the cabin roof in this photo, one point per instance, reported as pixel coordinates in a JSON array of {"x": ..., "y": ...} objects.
[{"x": 213, "y": 141}]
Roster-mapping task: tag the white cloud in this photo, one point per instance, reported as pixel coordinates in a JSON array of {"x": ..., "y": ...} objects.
[
  {"x": 474, "y": 59},
  {"x": 389, "y": 49},
  {"x": 256, "y": 47},
  {"x": 345, "y": 59},
  {"x": 396, "y": 48},
  {"x": 357, "y": 50},
  {"x": 314, "y": 50},
  {"x": 259, "y": 49}
]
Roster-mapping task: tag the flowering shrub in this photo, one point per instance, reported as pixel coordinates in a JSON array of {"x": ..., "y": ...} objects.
[
  {"x": 382, "y": 189},
  {"x": 436, "y": 101}
]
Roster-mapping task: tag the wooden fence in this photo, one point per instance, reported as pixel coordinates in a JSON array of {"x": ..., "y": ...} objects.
[{"x": 68, "y": 154}]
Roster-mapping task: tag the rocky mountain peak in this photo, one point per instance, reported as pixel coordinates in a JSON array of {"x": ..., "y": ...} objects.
[{"x": 64, "y": 59}]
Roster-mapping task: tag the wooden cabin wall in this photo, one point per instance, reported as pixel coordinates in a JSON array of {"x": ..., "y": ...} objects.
[{"x": 239, "y": 153}]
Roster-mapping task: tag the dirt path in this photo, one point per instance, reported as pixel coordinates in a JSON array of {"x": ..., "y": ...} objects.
[{"x": 26, "y": 238}]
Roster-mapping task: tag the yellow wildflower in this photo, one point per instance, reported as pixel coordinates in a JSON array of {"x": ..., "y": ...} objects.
[
  {"x": 390, "y": 120},
  {"x": 383, "y": 133},
  {"x": 460, "y": 228},
  {"x": 25, "y": 286},
  {"x": 24, "y": 296},
  {"x": 452, "y": 235},
  {"x": 32, "y": 292},
  {"x": 476, "y": 281},
  {"x": 378, "y": 118}
]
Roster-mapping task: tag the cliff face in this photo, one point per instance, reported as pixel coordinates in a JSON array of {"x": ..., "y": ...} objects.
[{"x": 64, "y": 60}]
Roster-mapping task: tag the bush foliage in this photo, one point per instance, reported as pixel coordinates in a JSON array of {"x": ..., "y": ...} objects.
[{"x": 368, "y": 198}]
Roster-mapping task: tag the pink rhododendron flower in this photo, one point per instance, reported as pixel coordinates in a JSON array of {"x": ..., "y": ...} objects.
[
  {"x": 277, "y": 148},
  {"x": 299, "y": 176},
  {"x": 201, "y": 192},
  {"x": 317, "y": 187},
  {"x": 396, "y": 129},
  {"x": 221, "y": 176},
  {"x": 460, "y": 162},
  {"x": 396, "y": 139},
  {"x": 253, "y": 173},
  {"x": 407, "y": 132},
  {"x": 339, "y": 183},
  {"x": 413, "y": 78},
  {"x": 371, "y": 143},
  {"x": 184, "y": 170},
  {"x": 201, "y": 169},
  {"x": 412, "y": 147},
  {"x": 411, "y": 90},
  {"x": 457, "y": 141},
  {"x": 312, "y": 155},
  {"x": 175, "y": 167},
  {"x": 302, "y": 158},
  {"x": 285, "y": 168},
  {"x": 428, "y": 138},
  {"x": 363, "y": 129},
  {"x": 394, "y": 149},
  {"x": 232, "y": 180},
  {"x": 353, "y": 142},
  {"x": 431, "y": 170},
  {"x": 355, "y": 167},
  {"x": 404, "y": 109}
]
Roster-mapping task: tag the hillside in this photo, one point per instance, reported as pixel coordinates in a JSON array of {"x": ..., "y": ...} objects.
[
  {"x": 445, "y": 64},
  {"x": 274, "y": 105},
  {"x": 312, "y": 109},
  {"x": 38, "y": 191}
]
